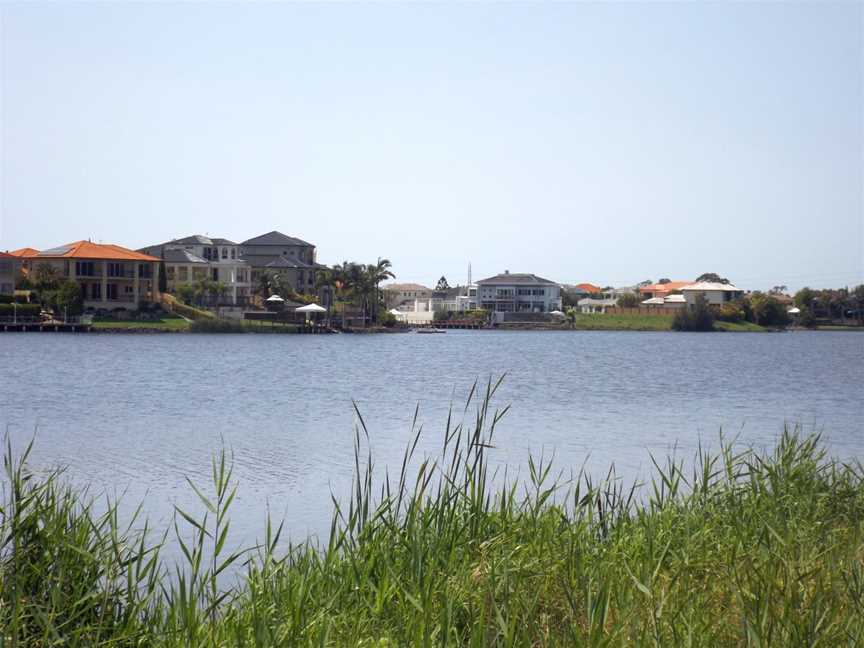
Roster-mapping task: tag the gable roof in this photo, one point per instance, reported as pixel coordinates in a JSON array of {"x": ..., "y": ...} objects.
[
  {"x": 275, "y": 238},
  {"x": 88, "y": 250},
  {"x": 712, "y": 285},
  {"x": 6, "y": 255},
  {"x": 510, "y": 278},
  {"x": 404, "y": 287},
  {"x": 286, "y": 262},
  {"x": 25, "y": 252},
  {"x": 179, "y": 255},
  {"x": 664, "y": 288}
]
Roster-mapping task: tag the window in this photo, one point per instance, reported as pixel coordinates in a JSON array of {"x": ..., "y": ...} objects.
[
  {"x": 127, "y": 289},
  {"x": 85, "y": 268},
  {"x": 115, "y": 269},
  {"x": 169, "y": 273},
  {"x": 224, "y": 253},
  {"x": 233, "y": 253},
  {"x": 112, "y": 291},
  {"x": 96, "y": 291},
  {"x": 145, "y": 271},
  {"x": 183, "y": 274}
]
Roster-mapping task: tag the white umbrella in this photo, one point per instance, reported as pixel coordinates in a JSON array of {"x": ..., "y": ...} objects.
[
  {"x": 556, "y": 312},
  {"x": 395, "y": 311},
  {"x": 794, "y": 311},
  {"x": 310, "y": 308},
  {"x": 274, "y": 299}
]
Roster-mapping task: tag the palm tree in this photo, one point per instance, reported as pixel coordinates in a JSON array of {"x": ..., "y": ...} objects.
[{"x": 378, "y": 272}]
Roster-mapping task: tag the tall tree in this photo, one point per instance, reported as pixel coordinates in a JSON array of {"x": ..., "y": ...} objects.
[{"x": 712, "y": 277}]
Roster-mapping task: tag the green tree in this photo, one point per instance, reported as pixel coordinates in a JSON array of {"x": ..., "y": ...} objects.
[
  {"x": 570, "y": 315},
  {"x": 767, "y": 311},
  {"x": 712, "y": 277},
  {"x": 629, "y": 300},
  {"x": 46, "y": 277},
  {"x": 804, "y": 298},
  {"x": 66, "y": 299},
  {"x": 698, "y": 317}
]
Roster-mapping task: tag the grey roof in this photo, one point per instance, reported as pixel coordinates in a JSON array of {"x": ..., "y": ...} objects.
[
  {"x": 275, "y": 238},
  {"x": 179, "y": 255},
  {"x": 510, "y": 278},
  {"x": 195, "y": 239},
  {"x": 285, "y": 262}
]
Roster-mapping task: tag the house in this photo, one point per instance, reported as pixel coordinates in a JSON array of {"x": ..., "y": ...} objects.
[
  {"x": 289, "y": 257},
  {"x": 669, "y": 301},
  {"x": 589, "y": 305},
  {"x": 655, "y": 290},
  {"x": 195, "y": 258},
  {"x": 717, "y": 294},
  {"x": 110, "y": 276},
  {"x": 9, "y": 265},
  {"x": 407, "y": 296},
  {"x": 518, "y": 293}
]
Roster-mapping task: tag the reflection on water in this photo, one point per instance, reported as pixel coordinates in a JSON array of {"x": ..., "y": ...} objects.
[{"x": 139, "y": 413}]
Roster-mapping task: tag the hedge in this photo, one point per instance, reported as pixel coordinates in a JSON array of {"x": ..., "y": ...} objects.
[{"x": 23, "y": 310}]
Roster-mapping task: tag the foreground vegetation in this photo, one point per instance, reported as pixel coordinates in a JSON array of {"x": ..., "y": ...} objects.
[
  {"x": 165, "y": 323},
  {"x": 745, "y": 549},
  {"x": 622, "y": 322}
]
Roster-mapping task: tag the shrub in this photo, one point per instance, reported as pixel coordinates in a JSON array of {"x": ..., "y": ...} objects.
[
  {"x": 730, "y": 312},
  {"x": 386, "y": 318},
  {"x": 628, "y": 300},
  {"x": 23, "y": 310},
  {"x": 697, "y": 317},
  {"x": 217, "y": 326},
  {"x": 767, "y": 311},
  {"x": 6, "y": 299}
]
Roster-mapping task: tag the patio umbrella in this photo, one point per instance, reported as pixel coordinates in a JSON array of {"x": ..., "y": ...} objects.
[
  {"x": 273, "y": 299},
  {"x": 310, "y": 308},
  {"x": 556, "y": 312}
]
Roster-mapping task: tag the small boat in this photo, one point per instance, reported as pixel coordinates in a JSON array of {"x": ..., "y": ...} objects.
[{"x": 431, "y": 330}]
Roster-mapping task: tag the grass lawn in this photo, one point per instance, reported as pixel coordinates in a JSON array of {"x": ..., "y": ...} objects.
[
  {"x": 165, "y": 324},
  {"x": 608, "y": 322},
  {"x": 739, "y": 326}
]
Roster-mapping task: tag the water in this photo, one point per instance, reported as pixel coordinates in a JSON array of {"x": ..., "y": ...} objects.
[{"x": 138, "y": 414}]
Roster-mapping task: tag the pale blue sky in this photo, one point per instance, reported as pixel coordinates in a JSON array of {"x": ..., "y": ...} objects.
[{"x": 584, "y": 142}]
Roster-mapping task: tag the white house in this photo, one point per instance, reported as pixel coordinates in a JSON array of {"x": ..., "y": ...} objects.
[
  {"x": 197, "y": 257},
  {"x": 716, "y": 293},
  {"x": 518, "y": 293}
]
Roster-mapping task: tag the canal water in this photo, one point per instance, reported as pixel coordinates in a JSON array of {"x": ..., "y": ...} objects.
[{"x": 137, "y": 414}]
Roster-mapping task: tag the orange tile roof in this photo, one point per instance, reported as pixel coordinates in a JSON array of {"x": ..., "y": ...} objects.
[
  {"x": 88, "y": 250},
  {"x": 6, "y": 255},
  {"x": 591, "y": 288},
  {"x": 25, "y": 252},
  {"x": 664, "y": 288}
]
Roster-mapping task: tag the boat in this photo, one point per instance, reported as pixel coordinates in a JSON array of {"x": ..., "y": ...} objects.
[{"x": 431, "y": 330}]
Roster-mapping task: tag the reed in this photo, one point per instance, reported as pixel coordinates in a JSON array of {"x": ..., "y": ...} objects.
[{"x": 742, "y": 548}]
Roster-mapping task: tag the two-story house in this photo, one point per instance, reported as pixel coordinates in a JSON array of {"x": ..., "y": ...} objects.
[
  {"x": 194, "y": 258},
  {"x": 518, "y": 293},
  {"x": 276, "y": 253},
  {"x": 9, "y": 265},
  {"x": 110, "y": 276}
]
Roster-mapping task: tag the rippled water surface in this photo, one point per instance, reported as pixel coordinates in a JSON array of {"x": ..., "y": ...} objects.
[{"x": 139, "y": 413}]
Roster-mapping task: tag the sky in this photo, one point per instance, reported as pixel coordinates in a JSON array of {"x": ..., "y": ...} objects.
[{"x": 609, "y": 143}]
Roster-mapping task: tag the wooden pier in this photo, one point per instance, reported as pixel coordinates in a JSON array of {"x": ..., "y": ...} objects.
[{"x": 36, "y": 326}]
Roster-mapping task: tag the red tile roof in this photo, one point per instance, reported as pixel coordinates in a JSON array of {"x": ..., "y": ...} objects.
[
  {"x": 664, "y": 288},
  {"x": 88, "y": 250},
  {"x": 591, "y": 288},
  {"x": 24, "y": 252}
]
